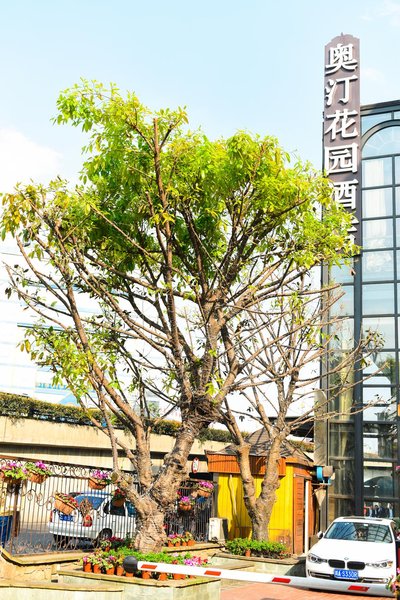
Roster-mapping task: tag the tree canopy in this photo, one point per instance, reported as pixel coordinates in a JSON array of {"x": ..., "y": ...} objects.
[{"x": 174, "y": 242}]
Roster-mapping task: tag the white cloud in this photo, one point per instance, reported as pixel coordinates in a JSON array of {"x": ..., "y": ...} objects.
[
  {"x": 22, "y": 159},
  {"x": 388, "y": 9}
]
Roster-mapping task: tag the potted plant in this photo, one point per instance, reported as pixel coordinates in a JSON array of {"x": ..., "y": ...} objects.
[
  {"x": 186, "y": 503},
  {"x": 174, "y": 540},
  {"x": 99, "y": 479},
  {"x": 118, "y": 498},
  {"x": 65, "y": 503},
  {"x": 86, "y": 563},
  {"x": 189, "y": 539},
  {"x": 97, "y": 562},
  {"x": 38, "y": 471},
  {"x": 119, "y": 569},
  {"x": 12, "y": 472},
  {"x": 205, "y": 488}
]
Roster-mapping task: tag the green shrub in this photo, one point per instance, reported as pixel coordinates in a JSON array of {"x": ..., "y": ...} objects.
[{"x": 262, "y": 548}]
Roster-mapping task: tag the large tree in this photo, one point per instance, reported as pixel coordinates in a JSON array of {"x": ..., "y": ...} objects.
[{"x": 177, "y": 241}]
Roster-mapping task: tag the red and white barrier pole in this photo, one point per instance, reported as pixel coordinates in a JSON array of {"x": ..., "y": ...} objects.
[{"x": 328, "y": 585}]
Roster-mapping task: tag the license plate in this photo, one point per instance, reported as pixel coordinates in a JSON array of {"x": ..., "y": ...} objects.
[
  {"x": 345, "y": 574},
  {"x": 65, "y": 517}
]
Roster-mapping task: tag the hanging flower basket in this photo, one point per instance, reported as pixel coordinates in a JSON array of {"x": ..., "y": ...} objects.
[
  {"x": 118, "y": 498},
  {"x": 99, "y": 479},
  {"x": 205, "y": 488},
  {"x": 12, "y": 472},
  {"x": 96, "y": 484},
  {"x": 65, "y": 503},
  {"x": 37, "y": 472}
]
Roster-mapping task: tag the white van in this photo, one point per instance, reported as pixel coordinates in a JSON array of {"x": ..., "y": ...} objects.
[{"x": 100, "y": 521}]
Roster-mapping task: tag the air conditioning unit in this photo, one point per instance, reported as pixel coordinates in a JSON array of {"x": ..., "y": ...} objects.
[{"x": 217, "y": 529}]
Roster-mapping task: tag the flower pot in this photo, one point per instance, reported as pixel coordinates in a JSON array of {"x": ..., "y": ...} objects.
[
  {"x": 203, "y": 493},
  {"x": 63, "y": 506},
  {"x": 110, "y": 571},
  {"x": 119, "y": 570},
  {"x": 176, "y": 576},
  {"x": 96, "y": 569},
  {"x": 170, "y": 544},
  {"x": 96, "y": 484},
  {"x": 128, "y": 574},
  {"x": 118, "y": 503},
  {"x": 185, "y": 507},
  {"x": 87, "y": 567},
  {"x": 247, "y": 552},
  {"x": 191, "y": 542},
  {"x": 36, "y": 477},
  {"x": 183, "y": 543},
  {"x": 162, "y": 577},
  {"x": 146, "y": 575}
]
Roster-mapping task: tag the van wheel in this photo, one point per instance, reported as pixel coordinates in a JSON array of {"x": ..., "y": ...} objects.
[{"x": 103, "y": 535}]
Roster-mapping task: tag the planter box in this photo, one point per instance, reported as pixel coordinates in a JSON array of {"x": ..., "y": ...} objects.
[
  {"x": 147, "y": 589},
  {"x": 283, "y": 566}
]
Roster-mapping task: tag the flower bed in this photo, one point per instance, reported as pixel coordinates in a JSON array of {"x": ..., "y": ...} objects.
[{"x": 107, "y": 561}]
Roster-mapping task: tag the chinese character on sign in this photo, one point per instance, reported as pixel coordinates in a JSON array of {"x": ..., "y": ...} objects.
[
  {"x": 341, "y": 124},
  {"x": 341, "y": 159},
  {"x": 341, "y": 57},
  {"x": 332, "y": 87},
  {"x": 345, "y": 193}
]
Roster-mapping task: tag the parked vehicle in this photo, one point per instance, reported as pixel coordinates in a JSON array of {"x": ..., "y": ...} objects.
[
  {"x": 359, "y": 549},
  {"x": 95, "y": 519}
]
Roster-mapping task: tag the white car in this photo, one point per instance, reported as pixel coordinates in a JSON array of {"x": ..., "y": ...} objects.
[
  {"x": 359, "y": 549},
  {"x": 101, "y": 519}
]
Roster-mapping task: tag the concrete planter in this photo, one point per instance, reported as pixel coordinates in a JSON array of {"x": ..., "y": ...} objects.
[
  {"x": 283, "y": 566},
  {"x": 142, "y": 589}
]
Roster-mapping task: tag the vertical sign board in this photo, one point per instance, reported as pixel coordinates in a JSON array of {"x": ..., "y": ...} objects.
[{"x": 342, "y": 147}]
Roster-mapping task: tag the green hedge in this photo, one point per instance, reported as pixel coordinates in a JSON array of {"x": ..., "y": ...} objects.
[{"x": 20, "y": 407}]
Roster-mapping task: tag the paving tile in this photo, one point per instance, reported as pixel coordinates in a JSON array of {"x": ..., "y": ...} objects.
[{"x": 268, "y": 591}]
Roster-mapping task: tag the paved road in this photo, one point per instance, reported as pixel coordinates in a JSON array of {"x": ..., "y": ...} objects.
[{"x": 268, "y": 591}]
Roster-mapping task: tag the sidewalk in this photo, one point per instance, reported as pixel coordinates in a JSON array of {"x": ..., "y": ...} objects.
[{"x": 269, "y": 591}]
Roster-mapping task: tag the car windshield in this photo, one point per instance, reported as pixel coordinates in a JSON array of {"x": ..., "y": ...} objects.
[
  {"x": 95, "y": 501},
  {"x": 364, "y": 532}
]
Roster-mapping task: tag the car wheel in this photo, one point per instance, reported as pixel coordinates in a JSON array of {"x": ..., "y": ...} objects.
[
  {"x": 103, "y": 535},
  {"x": 61, "y": 541}
]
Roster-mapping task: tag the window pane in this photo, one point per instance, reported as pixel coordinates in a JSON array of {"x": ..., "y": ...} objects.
[
  {"x": 378, "y": 299},
  {"x": 378, "y": 234},
  {"x": 378, "y": 440},
  {"x": 384, "y": 326},
  {"x": 377, "y": 203},
  {"x": 397, "y": 196},
  {"x": 378, "y": 483},
  {"x": 371, "y": 120},
  {"x": 384, "y": 404},
  {"x": 343, "y": 334},
  {"x": 342, "y": 274},
  {"x": 345, "y": 305},
  {"x": 397, "y": 169},
  {"x": 386, "y": 362},
  {"x": 377, "y": 172},
  {"x": 377, "y": 266},
  {"x": 384, "y": 141}
]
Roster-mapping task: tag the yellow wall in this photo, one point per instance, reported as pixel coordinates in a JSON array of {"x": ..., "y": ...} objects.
[{"x": 230, "y": 505}]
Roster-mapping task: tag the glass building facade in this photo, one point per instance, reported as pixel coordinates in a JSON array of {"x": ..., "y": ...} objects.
[{"x": 363, "y": 447}]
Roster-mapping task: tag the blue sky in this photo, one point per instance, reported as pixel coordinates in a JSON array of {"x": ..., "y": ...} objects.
[{"x": 254, "y": 65}]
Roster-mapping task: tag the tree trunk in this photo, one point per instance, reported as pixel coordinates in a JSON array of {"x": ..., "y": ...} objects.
[
  {"x": 150, "y": 533},
  {"x": 259, "y": 509}
]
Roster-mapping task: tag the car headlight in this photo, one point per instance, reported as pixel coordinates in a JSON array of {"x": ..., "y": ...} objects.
[
  {"x": 316, "y": 559},
  {"x": 382, "y": 564}
]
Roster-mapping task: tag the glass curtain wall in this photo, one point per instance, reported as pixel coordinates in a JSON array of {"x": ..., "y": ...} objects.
[{"x": 372, "y": 299}]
